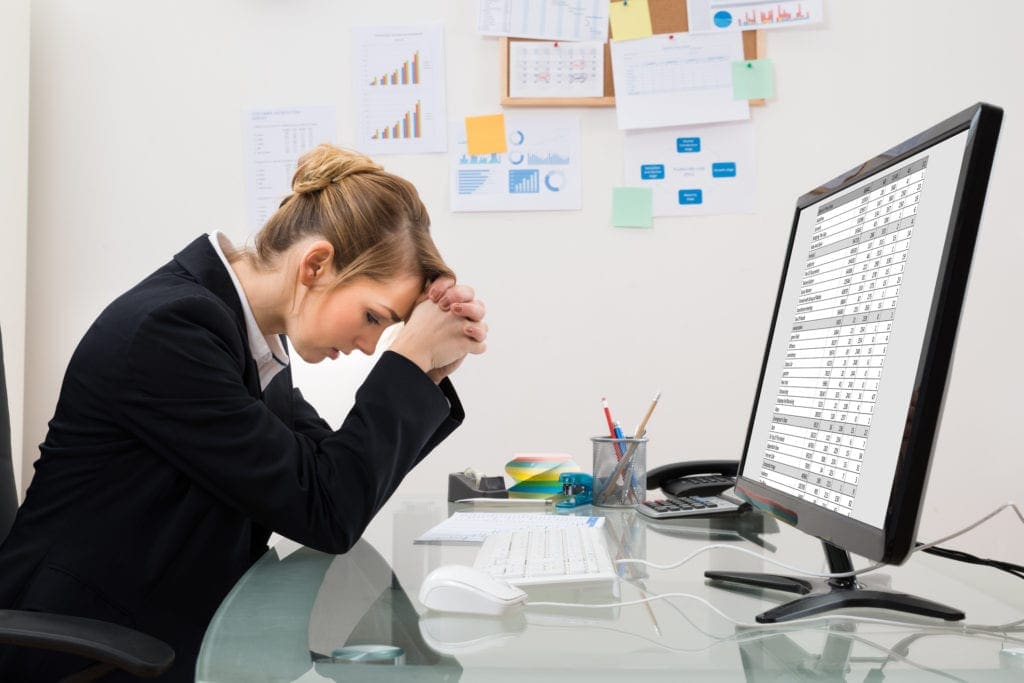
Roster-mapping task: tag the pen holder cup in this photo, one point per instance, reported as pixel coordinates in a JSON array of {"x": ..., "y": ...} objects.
[{"x": 620, "y": 471}]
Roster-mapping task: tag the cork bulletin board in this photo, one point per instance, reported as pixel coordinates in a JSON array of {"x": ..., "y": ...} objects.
[{"x": 667, "y": 16}]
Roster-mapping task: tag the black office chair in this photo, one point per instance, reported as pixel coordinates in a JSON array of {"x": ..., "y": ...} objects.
[{"x": 110, "y": 646}]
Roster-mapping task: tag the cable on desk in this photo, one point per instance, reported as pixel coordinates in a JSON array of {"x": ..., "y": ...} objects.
[{"x": 961, "y": 556}]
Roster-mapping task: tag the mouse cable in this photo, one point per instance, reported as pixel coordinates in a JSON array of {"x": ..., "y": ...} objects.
[{"x": 816, "y": 574}]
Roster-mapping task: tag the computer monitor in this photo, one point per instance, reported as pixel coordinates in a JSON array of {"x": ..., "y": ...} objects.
[{"x": 851, "y": 387}]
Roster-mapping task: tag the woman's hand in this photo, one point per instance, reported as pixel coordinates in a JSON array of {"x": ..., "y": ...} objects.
[
  {"x": 438, "y": 341},
  {"x": 459, "y": 299}
]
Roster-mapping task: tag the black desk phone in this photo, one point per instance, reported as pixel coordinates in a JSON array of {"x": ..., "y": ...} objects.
[
  {"x": 691, "y": 489},
  {"x": 694, "y": 478}
]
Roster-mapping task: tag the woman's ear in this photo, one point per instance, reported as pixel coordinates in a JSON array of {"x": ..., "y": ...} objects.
[{"x": 316, "y": 263}]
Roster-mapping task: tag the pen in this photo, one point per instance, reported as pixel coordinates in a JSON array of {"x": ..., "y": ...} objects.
[
  {"x": 641, "y": 431},
  {"x": 633, "y": 481},
  {"x": 611, "y": 428},
  {"x": 616, "y": 431}
]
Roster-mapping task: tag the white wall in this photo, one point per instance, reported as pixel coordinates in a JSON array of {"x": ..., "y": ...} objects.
[
  {"x": 14, "y": 70},
  {"x": 137, "y": 148}
]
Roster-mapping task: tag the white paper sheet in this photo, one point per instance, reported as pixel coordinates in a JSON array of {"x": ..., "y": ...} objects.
[
  {"x": 540, "y": 171},
  {"x": 274, "y": 140},
  {"x": 552, "y": 69},
  {"x": 715, "y": 16},
  {"x": 399, "y": 88},
  {"x": 544, "y": 19},
  {"x": 474, "y": 527},
  {"x": 696, "y": 170},
  {"x": 676, "y": 79}
]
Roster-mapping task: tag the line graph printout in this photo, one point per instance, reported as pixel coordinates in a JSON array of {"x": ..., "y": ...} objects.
[
  {"x": 676, "y": 80},
  {"x": 399, "y": 88},
  {"x": 716, "y": 16},
  {"x": 551, "y": 69},
  {"x": 544, "y": 19},
  {"x": 838, "y": 339}
]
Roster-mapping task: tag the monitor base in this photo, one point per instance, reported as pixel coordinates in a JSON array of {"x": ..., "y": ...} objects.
[{"x": 839, "y": 593}]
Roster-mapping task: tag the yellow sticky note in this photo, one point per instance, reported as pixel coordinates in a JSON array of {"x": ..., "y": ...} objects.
[
  {"x": 630, "y": 19},
  {"x": 486, "y": 134}
]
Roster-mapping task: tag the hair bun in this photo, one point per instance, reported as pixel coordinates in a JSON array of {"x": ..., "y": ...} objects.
[{"x": 326, "y": 164}]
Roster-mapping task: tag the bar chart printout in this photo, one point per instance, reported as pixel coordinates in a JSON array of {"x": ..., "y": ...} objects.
[
  {"x": 839, "y": 336},
  {"x": 540, "y": 171},
  {"x": 399, "y": 88}
]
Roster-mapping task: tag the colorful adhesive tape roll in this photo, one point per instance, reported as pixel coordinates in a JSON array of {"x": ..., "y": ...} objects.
[{"x": 536, "y": 474}]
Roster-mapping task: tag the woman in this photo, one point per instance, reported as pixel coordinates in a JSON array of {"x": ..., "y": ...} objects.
[{"x": 178, "y": 443}]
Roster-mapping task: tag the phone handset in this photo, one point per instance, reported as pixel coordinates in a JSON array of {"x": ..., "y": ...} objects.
[{"x": 694, "y": 478}]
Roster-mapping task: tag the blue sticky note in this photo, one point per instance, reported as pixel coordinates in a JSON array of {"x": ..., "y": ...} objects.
[
  {"x": 652, "y": 171},
  {"x": 632, "y": 207},
  {"x": 691, "y": 197},
  {"x": 724, "y": 169},
  {"x": 687, "y": 144},
  {"x": 753, "y": 79}
]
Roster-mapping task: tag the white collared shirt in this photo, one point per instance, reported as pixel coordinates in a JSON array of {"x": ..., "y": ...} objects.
[{"x": 266, "y": 350}]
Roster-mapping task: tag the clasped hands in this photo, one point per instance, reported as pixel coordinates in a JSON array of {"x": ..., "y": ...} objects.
[{"x": 446, "y": 325}]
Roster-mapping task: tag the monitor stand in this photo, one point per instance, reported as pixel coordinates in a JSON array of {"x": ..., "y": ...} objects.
[{"x": 837, "y": 593}]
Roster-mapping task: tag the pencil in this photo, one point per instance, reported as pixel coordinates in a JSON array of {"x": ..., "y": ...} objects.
[
  {"x": 611, "y": 427},
  {"x": 641, "y": 430}
]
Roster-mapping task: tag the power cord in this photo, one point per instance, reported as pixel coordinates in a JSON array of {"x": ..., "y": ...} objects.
[
  {"x": 842, "y": 575},
  {"x": 966, "y": 629},
  {"x": 961, "y": 556}
]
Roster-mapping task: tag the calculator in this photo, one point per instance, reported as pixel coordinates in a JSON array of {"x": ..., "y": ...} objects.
[{"x": 687, "y": 506}]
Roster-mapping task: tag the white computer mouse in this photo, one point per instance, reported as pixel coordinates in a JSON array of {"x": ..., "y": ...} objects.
[{"x": 457, "y": 588}]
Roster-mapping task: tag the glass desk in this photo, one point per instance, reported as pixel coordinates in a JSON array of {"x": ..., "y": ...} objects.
[{"x": 303, "y": 615}]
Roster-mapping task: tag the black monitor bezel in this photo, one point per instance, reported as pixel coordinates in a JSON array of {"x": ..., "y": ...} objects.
[{"x": 893, "y": 541}]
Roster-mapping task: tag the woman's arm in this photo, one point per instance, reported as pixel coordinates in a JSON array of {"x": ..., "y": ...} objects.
[{"x": 187, "y": 402}]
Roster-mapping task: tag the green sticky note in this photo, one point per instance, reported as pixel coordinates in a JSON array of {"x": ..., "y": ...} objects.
[
  {"x": 632, "y": 207},
  {"x": 753, "y": 79}
]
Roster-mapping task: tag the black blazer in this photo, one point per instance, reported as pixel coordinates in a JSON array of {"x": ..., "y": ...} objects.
[{"x": 165, "y": 467}]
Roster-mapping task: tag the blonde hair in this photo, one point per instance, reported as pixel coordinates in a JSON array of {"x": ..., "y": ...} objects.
[{"x": 375, "y": 220}]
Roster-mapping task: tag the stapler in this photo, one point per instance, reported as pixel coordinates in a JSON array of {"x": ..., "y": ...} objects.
[{"x": 578, "y": 489}]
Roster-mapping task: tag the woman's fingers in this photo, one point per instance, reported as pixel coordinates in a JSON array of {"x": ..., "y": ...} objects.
[
  {"x": 471, "y": 310},
  {"x": 456, "y": 294},
  {"x": 438, "y": 287},
  {"x": 476, "y": 331}
]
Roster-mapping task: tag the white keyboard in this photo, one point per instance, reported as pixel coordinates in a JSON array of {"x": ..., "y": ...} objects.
[{"x": 552, "y": 555}]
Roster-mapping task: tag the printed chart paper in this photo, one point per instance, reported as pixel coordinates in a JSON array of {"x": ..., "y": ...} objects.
[
  {"x": 695, "y": 171},
  {"x": 539, "y": 172},
  {"x": 550, "y": 69},
  {"x": 274, "y": 140},
  {"x": 676, "y": 79},
  {"x": 715, "y": 16},
  {"x": 399, "y": 89},
  {"x": 544, "y": 19}
]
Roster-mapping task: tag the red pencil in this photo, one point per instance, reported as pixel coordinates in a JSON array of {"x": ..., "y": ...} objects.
[{"x": 611, "y": 427}]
